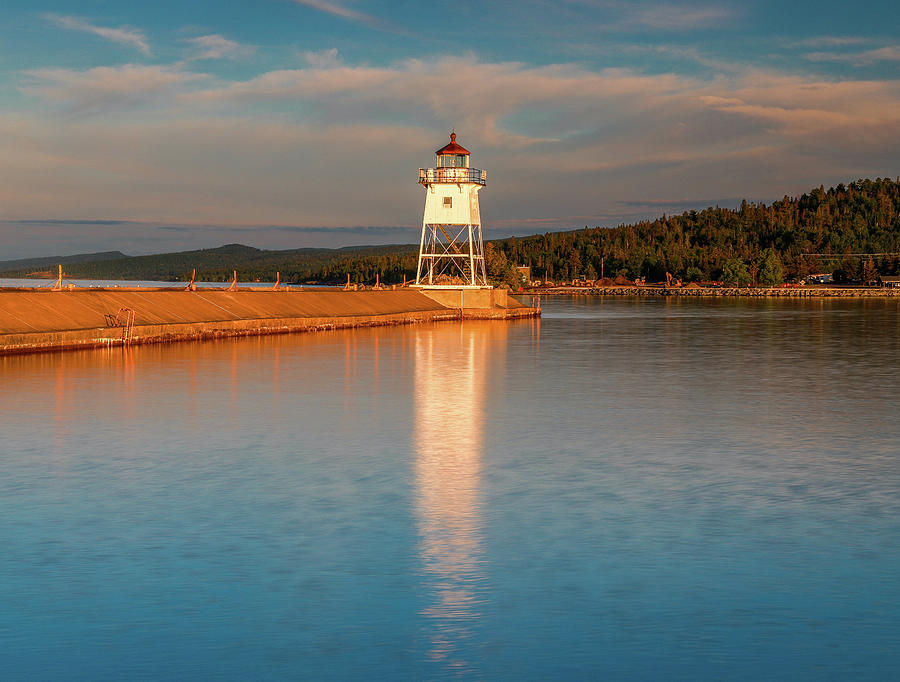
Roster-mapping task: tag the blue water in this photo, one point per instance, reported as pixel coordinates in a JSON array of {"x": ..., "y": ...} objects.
[{"x": 625, "y": 489}]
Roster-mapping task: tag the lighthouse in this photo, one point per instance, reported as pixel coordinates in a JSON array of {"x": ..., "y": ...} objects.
[{"x": 451, "y": 251}]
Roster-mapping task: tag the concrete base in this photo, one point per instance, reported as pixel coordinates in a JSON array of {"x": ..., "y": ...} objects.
[{"x": 467, "y": 297}]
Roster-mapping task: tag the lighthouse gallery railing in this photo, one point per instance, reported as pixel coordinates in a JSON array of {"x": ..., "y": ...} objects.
[{"x": 474, "y": 175}]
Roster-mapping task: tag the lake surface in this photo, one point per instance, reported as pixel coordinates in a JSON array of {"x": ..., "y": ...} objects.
[{"x": 625, "y": 489}]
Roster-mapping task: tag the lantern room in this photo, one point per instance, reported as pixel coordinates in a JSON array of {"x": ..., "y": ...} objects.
[{"x": 452, "y": 155}]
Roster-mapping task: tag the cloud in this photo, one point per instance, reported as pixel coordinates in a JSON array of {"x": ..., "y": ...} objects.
[
  {"x": 336, "y": 144},
  {"x": 367, "y": 230},
  {"x": 679, "y": 18},
  {"x": 106, "y": 88},
  {"x": 680, "y": 204},
  {"x": 218, "y": 47},
  {"x": 325, "y": 59},
  {"x": 459, "y": 91},
  {"x": 344, "y": 12},
  {"x": 130, "y": 37},
  {"x": 890, "y": 53},
  {"x": 355, "y": 230},
  {"x": 803, "y": 109},
  {"x": 830, "y": 41},
  {"x": 682, "y": 53},
  {"x": 65, "y": 221}
]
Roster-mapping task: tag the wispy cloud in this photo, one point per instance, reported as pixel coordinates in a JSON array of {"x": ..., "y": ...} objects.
[
  {"x": 325, "y": 59},
  {"x": 559, "y": 140},
  {"x": 831, "y": 41},
  {"x": 216, "y": 46},
  {"x": 356, "y": 230},
  {"x": 107, "y": 88},
  {"x": 123, "y": 35},
  {"x": 678, "y": 203},
  {"x": 613, "y": 16},
  {"x": 458, "y": 91},
  {"x": 679, "y": 17},
  {"x": 890, "y": 53},
  {"x": 686, "y": 54},
  {"x": 344, "y": 12},
  {"x": 338, "y": 10},
  {"x": 373, "y": 230},
  {"x": 63, "y": 221}
]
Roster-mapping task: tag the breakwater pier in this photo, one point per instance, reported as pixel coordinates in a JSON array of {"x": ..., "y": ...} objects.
[{"x": 35, "y": 320}]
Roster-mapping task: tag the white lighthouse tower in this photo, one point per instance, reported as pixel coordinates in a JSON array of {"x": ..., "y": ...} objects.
[{"x": 451, "y": 252}]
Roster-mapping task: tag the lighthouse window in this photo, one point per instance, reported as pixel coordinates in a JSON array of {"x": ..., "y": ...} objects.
[
  {"x": 454, "y": 161},
  {"x": 448, "y": 202}
]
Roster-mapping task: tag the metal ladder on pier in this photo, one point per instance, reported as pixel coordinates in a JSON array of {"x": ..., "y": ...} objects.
[{"x": 123, "y": 318}]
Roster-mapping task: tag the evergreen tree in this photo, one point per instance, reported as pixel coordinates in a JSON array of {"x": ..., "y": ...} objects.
[
  {"x": 735, "y": 272},
  {"x": 770, "y": 273},
  {"x": 693, "y": 274}
]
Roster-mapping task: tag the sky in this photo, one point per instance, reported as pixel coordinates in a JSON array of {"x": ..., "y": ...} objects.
[{"x": 162, "y": 126}]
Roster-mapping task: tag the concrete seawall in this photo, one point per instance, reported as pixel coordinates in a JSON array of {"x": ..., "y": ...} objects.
[{"x": 34, "y": 320}]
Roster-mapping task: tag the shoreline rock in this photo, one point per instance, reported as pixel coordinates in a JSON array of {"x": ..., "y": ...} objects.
[{"x": 758, "y": 292}]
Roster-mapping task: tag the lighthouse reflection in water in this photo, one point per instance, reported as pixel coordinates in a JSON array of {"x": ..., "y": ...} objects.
[{"x": 451, "y": 375}]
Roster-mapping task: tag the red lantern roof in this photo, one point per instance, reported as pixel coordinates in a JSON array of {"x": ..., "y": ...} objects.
[{"x": 452, "y": 148}]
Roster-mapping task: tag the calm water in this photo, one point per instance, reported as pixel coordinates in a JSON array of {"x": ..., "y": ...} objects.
[{"x": 626, "y": 489}]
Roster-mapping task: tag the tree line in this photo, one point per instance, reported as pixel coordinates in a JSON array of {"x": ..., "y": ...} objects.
[{"x": 852, "y": 231}]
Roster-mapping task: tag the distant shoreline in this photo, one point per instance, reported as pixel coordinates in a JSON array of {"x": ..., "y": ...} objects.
[{"x": 743, "y": 292}]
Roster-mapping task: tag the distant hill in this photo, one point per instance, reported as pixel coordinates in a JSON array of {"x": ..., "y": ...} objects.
[
  {"x": 216, "y": 265},
  {"x": 31, "y": 264}
]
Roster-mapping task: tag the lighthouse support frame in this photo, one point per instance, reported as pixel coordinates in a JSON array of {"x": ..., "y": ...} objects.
[{"x": 451, "y": 252}]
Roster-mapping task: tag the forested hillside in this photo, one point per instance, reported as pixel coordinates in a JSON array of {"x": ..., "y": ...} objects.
[{"x": 842, "y": 223}]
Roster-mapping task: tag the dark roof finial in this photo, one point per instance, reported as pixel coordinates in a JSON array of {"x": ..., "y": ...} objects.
[{"x": 453, "y": 135}]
